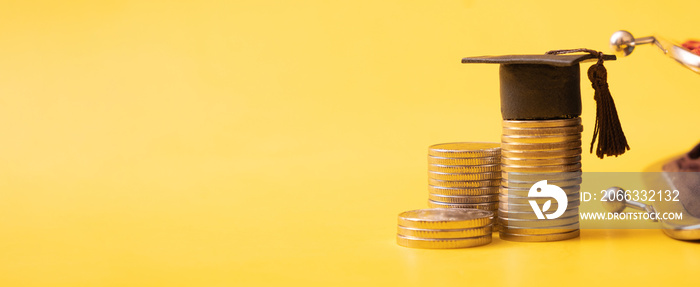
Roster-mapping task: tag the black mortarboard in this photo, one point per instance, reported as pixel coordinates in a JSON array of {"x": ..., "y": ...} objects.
[
  {"x": 543, "y": 87},
  {"x": 539, "y": 87}
]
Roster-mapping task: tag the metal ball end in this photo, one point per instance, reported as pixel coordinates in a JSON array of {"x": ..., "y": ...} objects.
[
  {"x": 622, "y": 42},
  {"x": 611, "y": 202}
]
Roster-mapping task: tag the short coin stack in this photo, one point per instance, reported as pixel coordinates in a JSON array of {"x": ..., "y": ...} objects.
[
  {"x": 464, "y": 175},
  {"x": 440, "y": 228},
  {"x": 532, "y": 151}
]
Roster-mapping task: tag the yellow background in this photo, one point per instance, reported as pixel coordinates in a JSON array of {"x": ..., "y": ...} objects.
[{"x": 242, "y": 143}]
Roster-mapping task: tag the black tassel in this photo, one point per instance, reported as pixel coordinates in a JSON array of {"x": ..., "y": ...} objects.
[{"x": 608, "y": 130}]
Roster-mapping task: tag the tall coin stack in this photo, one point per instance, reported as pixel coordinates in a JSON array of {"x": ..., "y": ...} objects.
[
  {"x": 439, "y": 228},
  {"x": 464, "y": 175},
  {"x": 532, "y": 151}
]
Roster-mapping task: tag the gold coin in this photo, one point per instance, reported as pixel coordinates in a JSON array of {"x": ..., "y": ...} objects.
[
  {"x": 456, "y": 191},
  {"x": 513, "y": 207},
  {"x": 464, "y": 160},
  {"x": 541, "y": 162},
  {"x": 540, "y": 230},
  {"x": 464, "y": 199},
  {"x": 537, "y": 176},
  {"x": 539, "y": 238},
  {"x": 507, "y": 146},
  {"x": 430, "y": 243},
  {"x": 572, "y": 130},
  {"x": 540, "y": 139},
  {"x": 465, "y": 168},
  {"x": 445, "y": 233},
  {"x": 541, "y": 154},
  {"x": 529, "y": 214},
  {"x": 511, "y": 199},
  {"x": 443, "y": 218},
  {"x": 465, "y": 149},
  {"x": 480, "y": 183},
  {"x": 491, "y": 206},
  {"x": 542, "y": 123},
  {"x": 517, "y": 192},
  {"x": 512, "y": 222},
  {"x": 545, "y": 168},
  {"x": 527, "y": 184},
  {"x": 464, "y": 176}
]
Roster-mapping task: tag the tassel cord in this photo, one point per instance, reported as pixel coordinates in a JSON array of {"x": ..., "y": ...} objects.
[{"x": 608, "y": 130}]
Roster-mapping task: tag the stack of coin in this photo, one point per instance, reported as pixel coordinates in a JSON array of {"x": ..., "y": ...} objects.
[
  {"x": 533, "y": 151},
  {"x": 439, "y": 228},
  {"x": 464, "y": 175}
]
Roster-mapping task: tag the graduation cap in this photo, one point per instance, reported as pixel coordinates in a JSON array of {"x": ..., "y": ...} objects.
[{"x": 546, "y": 87}]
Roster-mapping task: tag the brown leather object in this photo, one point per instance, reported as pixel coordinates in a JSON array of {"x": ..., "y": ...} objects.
[
  {"x": 538, "y": 87},
  {"x": 684, "y": 172}
]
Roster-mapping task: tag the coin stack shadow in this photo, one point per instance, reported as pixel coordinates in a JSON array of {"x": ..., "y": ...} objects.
[
  {"x": 464, "y": 175},
  {"x": 440, "y": 228},
  {"x": 532, "y": 151}
]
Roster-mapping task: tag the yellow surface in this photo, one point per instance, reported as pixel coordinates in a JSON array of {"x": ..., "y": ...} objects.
[{"x": 250, "y": 143}]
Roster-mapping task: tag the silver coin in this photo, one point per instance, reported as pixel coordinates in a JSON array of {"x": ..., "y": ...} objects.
[
  {"x": 539, "y": 238},
  {"x": 523, "y": 193},
  {"x": 540, "y": 139},
  {"x": 464, "y": 161},
  {"x": 456, "y": 191},
  {"x": 464, "y": 199},
  {"x": 480, "y": 183},
  {"x": 464, "y": 176},
  {"x": 442, "y": 218},
  {"x": 543, "y": 131},
  {"x": 541, "y": 154},
  {"x": 465, "y": 168},
  {"x": 514, "y": 222},
  {"x": 511, "y": 199},
  {"x": 507, "y": 146},
  {"x": 540, "y": 230},
  {"x": 546, "y": 168},
  {"x": 512, "y": 207},
  {"x": 445, "y": 233},
  {"x": 527, "y": 184},
  {"x": 540, "y": 162},
  {"x": 542, "y": 123},
  {"x": 537, "y": 176},
  {"x": 483, "y": 206},
  {"x": 529, "y": 214},
  {"x": 465, "y": 149}
]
